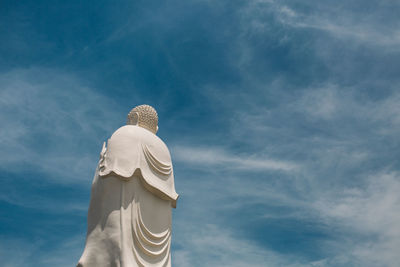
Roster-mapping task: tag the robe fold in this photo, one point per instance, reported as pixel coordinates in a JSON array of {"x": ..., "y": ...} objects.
[{"x": 129, "y": 218}]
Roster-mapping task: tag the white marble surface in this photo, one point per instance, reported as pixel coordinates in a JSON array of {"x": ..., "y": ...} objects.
[{"x": 129, "y": 218}]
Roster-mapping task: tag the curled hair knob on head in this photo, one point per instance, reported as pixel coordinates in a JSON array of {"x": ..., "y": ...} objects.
[{"x": 144, "y": 116}]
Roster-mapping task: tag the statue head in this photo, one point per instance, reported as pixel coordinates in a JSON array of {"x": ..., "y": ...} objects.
[{"x": 144, "y": 116}]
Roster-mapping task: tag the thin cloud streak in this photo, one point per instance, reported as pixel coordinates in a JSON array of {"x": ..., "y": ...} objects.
[
  {"x": 30, "y": 107},
  {"x": 219, "y": 157},
  {"x": 371, "y": 213},
  {"x": 19, "y": 253},
  {"x": 340, "y": 22},
  {"x": 221, "y": 247}
]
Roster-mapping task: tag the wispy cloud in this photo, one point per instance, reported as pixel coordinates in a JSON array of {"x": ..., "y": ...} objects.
[
  {"x": 43, "y": 203},
  {"x": 334, "y": 186},
  {"x": 218, "y": 157},
  {"x": 361, "y": 32},
  {"x": 215, "y": 246},
  {"x": 341, "y": 20},
  {"x": 331, "y": 103},
  {"x": 19, "y": 253},
  {"x": 291, "y": 160},
  {"x": 371, "y": 213},
  {"x": 42, "y": 110}
]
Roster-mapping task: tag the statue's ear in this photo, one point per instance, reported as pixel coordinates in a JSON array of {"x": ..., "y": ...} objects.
[
  {"x": 156, "y": 129},
  {"x": 135, "y": 118}
]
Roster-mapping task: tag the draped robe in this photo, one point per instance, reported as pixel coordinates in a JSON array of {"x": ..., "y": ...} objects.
[{"x": 129, "y": 218}]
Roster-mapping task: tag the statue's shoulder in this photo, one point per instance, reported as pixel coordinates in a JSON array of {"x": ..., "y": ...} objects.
[
  {"x": 133, "y": 133},
  {"x": 128, "y": 131}
]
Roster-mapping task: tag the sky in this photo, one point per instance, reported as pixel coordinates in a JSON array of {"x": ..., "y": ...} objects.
[{"x": 282, "y": 119}]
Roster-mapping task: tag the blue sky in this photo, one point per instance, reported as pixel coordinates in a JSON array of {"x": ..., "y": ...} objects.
[{"x": 282, "y": 118}]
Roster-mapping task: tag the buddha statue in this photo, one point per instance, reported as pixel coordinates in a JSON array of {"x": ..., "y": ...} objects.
[{"x": 133, "y": 191}]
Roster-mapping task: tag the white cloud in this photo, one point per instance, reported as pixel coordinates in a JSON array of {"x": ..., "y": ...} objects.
[
  {"x": 340, "y": 22},
  {"x": 212, "y": 156},
  {"x": 65, "y": 254},
  {"x": 48, "y": 119},
  {"x": 352, "y": 30},
  {"x": 333, "y": 186},
  {"x": 373, "y": 213},
  {"x": 211, "y": 245},
  {"x": 321, "y": 103},
  {"x": 15, "y": 252},
  {"x": 21, "y": 253},
  {"x": 330, "y": 102},
  {"x": 42, "y": 203}
]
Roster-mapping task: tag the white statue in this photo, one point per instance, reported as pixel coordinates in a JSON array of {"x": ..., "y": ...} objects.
[{"x": 129, "y": 218}]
